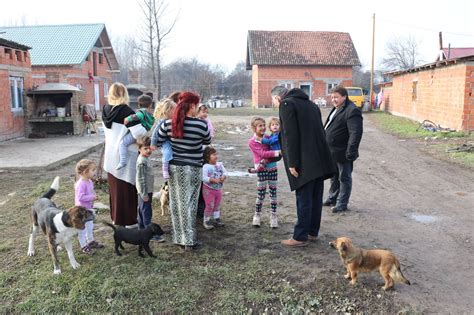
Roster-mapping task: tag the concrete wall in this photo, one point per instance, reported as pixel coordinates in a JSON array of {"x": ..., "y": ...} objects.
[
  {"x": 264, "y": 78},
  {"x": 444, "y": 95},
  {"x": 17, "y": 63}
]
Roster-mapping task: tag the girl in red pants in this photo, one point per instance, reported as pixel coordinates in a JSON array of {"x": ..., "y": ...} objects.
[{"x": 213, "y": 177}]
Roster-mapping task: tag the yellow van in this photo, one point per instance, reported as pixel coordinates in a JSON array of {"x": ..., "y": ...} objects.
[{"x": 356, "y": 95}]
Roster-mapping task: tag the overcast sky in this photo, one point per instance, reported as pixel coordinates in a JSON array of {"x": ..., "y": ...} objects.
[{"x": 215, "y": 31}]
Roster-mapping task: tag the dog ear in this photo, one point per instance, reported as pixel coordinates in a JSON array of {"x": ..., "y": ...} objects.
[{"x": 343, "y": 246}]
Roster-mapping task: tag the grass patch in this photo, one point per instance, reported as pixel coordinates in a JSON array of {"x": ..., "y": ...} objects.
[
  {"x": 407, "y": 128},
  {"x": 439, "y": 142}
]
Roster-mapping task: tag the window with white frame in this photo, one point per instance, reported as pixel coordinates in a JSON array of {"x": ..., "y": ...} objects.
[
  {"x": 288, "y": 84},
  {"x": 16, "y": 91},
  {"x": 106, "y": 89},
  {"x": 330, "y": 86}
]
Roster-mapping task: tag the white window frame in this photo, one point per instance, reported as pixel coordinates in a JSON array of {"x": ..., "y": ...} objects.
[
  {"x": 330, "y": 86},
  {"x": 288, "y": 84},
  {"x": 16, "y": 96},
  {"x": 106, "y": 89}
]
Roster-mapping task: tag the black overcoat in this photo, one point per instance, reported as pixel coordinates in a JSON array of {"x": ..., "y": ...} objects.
[
  {"x": 344, "y": 132},
  {"x": 303, "y": 140}
]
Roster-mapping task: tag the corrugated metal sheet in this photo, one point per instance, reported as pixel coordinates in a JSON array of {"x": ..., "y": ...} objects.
[{"x": 56, "y": 44}]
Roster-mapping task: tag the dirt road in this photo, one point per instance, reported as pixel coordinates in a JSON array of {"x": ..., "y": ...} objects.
[{"x": 417, "y": 206}]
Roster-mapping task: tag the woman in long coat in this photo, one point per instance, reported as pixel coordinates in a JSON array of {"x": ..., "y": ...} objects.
[{"x": 122, "y": 192}]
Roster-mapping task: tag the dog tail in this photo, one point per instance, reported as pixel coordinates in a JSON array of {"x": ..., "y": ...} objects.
[
  {"x": 397, "y": 275},
  {"x": 111, "y": 225},
  {"x": 53, "y": 189}
]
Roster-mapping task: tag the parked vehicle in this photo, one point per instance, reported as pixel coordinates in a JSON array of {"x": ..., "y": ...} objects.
[{"x": 356, "y": 95}]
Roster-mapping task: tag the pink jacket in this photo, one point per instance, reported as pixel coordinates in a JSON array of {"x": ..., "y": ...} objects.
[{"x": 260, "y": 151}]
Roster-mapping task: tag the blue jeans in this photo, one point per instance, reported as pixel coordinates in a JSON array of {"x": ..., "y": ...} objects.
[
  {"x": 144, "y": 212},
  {"x": 341, "y": 185},
  {"x": 309, "y": 204}
]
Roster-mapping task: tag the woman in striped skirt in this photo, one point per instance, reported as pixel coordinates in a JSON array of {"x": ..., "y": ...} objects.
[{"x": 187, "y": 135}]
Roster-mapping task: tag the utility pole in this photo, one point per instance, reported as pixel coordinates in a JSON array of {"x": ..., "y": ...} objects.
[{"x": 372, "y": 68}]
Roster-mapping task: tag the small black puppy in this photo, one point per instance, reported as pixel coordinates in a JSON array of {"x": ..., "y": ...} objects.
[{"x": 135, "y": 237}]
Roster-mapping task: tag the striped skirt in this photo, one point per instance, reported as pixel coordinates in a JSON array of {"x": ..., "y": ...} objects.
[{"x": 184, "y": 184}]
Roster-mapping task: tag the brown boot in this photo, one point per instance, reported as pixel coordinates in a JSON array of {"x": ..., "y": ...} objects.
[{"x": 293, "y": 243}]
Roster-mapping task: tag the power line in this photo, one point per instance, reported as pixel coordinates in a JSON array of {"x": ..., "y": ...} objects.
[{"x": 425, "y": 28}]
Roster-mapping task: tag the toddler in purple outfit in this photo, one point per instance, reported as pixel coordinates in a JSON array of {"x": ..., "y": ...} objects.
[{"x": 84, "y": 195}]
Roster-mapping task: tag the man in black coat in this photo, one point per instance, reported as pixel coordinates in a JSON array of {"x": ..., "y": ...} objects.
[
  {"x": 307, "y": 159},
  {"x": 343, "y": 133}
]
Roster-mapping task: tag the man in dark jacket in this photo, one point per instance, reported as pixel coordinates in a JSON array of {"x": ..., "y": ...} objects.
[
  {"x": 307, "y": 159},
  {"x": 343, "y": 133}
]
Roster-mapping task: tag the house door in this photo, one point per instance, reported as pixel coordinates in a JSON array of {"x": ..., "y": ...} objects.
[
  {"x": 97, "y": 96},
  {"x": 306, "y": 87}
]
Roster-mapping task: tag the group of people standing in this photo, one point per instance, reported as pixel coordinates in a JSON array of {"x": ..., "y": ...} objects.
[
  {"x": 312, "y": 152},
  {"x": 182, "y": 137}
]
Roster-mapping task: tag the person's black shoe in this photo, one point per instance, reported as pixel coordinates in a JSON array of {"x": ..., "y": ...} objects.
[
  {"x": 338, "y": 209},
  {"x": 329, "y": 203}
]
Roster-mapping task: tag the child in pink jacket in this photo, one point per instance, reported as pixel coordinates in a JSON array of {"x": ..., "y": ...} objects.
[{"x": 266, "y": 176}]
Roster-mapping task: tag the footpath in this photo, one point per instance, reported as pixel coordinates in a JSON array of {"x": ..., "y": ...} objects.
[{"x": 46, "y": 153}]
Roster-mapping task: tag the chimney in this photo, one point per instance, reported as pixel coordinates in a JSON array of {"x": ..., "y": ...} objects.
[
  {"x": 133, "y": 77},
  {"x": 441, "y": 52}
]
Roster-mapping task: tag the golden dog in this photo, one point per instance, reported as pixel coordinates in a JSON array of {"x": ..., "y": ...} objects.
[
  {"x": 164, "y": 199},
  {"x": 362, "y": 260}
]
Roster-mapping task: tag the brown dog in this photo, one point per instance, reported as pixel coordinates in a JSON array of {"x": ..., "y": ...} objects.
[
  {"x": 164, "y": 199},
  {"x": 362, "y": 260}
]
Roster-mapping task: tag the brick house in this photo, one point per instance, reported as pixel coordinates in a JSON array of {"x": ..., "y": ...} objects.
[
  {"x": 15, "y": 77},
  {"x": 442, "y": 92},
  {"x": 80, "y": 55},
  {"x": 313, "y": 61}
]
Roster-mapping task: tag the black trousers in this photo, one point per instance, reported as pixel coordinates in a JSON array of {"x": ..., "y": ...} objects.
[{"x": 309, "y": 204}]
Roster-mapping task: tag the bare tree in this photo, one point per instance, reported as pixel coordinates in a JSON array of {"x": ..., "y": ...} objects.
[
  {"x": 402, "y": 53},
  {"x": 128, "y": 56},
  {"x": 156, "y": 29}
]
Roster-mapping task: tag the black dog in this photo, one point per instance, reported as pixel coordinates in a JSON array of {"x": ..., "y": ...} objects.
[{"x": 135, "y": 237}]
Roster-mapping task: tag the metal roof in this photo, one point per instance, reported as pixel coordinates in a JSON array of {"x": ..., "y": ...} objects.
[
  {"x": 49, "y": 88},
  {"x": 61, "y": 44}
]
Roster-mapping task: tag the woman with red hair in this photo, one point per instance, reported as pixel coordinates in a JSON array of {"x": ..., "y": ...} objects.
[{"x": 187, "y": 134}]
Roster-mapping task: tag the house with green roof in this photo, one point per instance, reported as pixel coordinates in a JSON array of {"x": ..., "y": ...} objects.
[
  {"x": 78, "y": 54},
  {"x": 15, "y": 76}
]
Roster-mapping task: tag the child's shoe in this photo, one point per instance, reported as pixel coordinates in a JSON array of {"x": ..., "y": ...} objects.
[
  {"x": 208, "y": 225},
  {"x": 95, "y": 244},
  {"x": 273, "y": 221},
  {"x": 88, "y": 250},
  {"x": 218, "y": 222},
  {"x": 256, "y": 220}
]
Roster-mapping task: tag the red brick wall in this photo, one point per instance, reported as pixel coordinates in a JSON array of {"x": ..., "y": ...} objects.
[
  {"x": 444, "y": 96},
  {"x": 264, "y": 78},
  {"x": 12, "y": 123},
  {"x": 79, "y": 74},
  {"x": 468, "y": 114}
]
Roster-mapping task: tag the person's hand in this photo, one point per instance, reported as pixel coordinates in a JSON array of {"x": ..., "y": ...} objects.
[
  {"x": 223, "y": 178},
  {"x": 294, "y": 172},
  {"x": 125, "y": 121},
  {"x": 153, "y": 148},
  {"x": 277, "y": 153},
  {"x": 96, "y": 197},
  {"x": 146, "y": 198}
]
